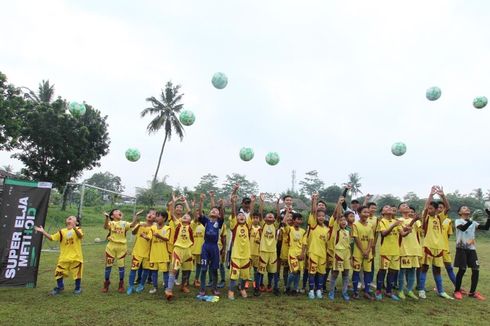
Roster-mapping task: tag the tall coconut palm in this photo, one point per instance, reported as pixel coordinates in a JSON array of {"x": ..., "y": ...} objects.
[
  {"x": 355, "y": 184},
  {"x": 166, "y": 110},
  {"x": 45, "y": 93}
]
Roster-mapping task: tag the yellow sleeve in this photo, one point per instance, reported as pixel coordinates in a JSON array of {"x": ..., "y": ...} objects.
[
  {"x": 80, "y": 231},
  {"x": 371, "y": 236},
  {"x": 127, "y": 226},
  {"x": 56, "y": 236},
  {"x": 355, "y": 233},
  {"x": 311, "y": 221},
  {"x": 233, "y": 221},
  {"x": 304, "y": 240},
  {"x": 450, "y": 228},
  {"x": 382, "y": 226},
  {"x": 331, "y": 221}
]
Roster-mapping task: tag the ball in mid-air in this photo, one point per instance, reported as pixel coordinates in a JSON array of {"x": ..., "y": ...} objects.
[
  {"x": 76, "y": 108},
  {"x": 433, "y": 93},
  {"x": 187, "y": 118},
  {"x": 132, "y": 154},
  {"x": 219, "y": 80},
  {"x": 246, "y": 154},
  {"x": 480, "y": 102},
  {"x": 272, "y": 158},
  {"x": 398, "y": 149}
]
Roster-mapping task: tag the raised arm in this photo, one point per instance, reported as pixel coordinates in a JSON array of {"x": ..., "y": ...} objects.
[
  {"x": 135, "y": 219},
  {"x": 221, "y": 206},
  {"x": 337, "y": 212},
  {"x": 444, "y": 199},
  {"x": 261, "y": 205},
  {"x": 41, "y": 229},
  {"x": 344, "y": 194},
  {"x": 394, "y": 224},
  {"x": 233, "y": 205},
  {"x": 201, "y": 204},
  {"x": 314, "y": 203},
  {"x": 211, "y": 197},
  {"x": 367, "y": 199},
  {"x": 186, "y": 204},
  {"x": 106, "y": 221}
]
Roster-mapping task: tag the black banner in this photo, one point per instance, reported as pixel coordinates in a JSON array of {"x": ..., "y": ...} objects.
[{"x": 24, "y": 204}]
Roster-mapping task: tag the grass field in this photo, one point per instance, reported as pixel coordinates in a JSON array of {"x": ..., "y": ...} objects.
[{"x": 34, "y": 306}]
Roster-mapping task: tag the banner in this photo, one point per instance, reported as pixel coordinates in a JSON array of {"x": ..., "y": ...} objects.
[{"x": 24, "y": 204}]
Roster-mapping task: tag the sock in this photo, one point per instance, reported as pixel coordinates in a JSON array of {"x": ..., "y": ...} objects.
[
  {"x": 395, "y": 279},
  {"x": 204, "y": 273},
  {"x": 285, "y": 275},
  {"x": 257, "y": 278},
  {"x": 320, "y": 282},
  {"x": 422, "y": 278},
  {"x": 78, "y": 282},
  {"x": 475, "y": 273},
  {"x": 290, "y": 280},
  {"x": 305, "y": 278},
  {"x": 312, "y": 281},
  {"x": 222, "y": 272},
  {"x": 59, "y": 283},
  {"x": 401, "y": 278},
  {"x": 389, "y": 282},
  {"x": 121, "y": 273},
  {"x": 132, "y": 276},
  {"x": 296, "y": 280},
  {"x": 107, "y": 273},
  {"x": 197, "y": 276},
  {"x": 186, "y": 275},
  {"x": 355, "y": 280},
  {"x": 232, "y": 285},
  {"x": 438, "y": 280},
  {"x": 171, "y": 281},
  {"x": 177, "y": 275},
  {"x": 450, "y": 273},
  {"x": 242, "y": 284},
  {"x": 410, "y": 278},
  {"x": 345, "y": 282},
  {"x": 140, "y": 271},
  {"x": 276, "y": 280},
  {"x": 325, "y": 281},
  {"x": 380, "y": 278},
  {"x": 144, "y": 276},
  {"x": 368, "y": 278},
  {"x": 154, "y": 278},
  {"x": 165, "y": 278},
  {"x": 214, "y": 278},
  {"x": 333, "y": 279}
]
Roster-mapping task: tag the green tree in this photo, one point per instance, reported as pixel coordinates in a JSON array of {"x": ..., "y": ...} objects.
[
  {"x": 354, "y": 182},
  {"x": 413, "y": 200},
  {"x": 166, "y": 110},
  {"x": 45, "y": 93},
  {"x": 247, "y": 187},
  {"x": 106, "y": 180},
  {"x": 388, "y": 199},
  {"x": 11, "y": 110},
  {"x": 331, "y": 194},
  {"x": 208, "y": 183},
  {"x": 478, "y": 194},
  {"x": 311, "y": 183},
  {"x": 158, "y": 193}
]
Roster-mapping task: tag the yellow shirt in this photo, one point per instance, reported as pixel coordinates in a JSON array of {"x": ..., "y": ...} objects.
[
  {"x": 447, "y": 230},
  {"x": 284, "y": 239},
  {"x": 254, "y": 240},
  {"x": 410, "y": 244},
  {"x": 390, "y": 244},
  {"x": 222, "y": 237},
  {"x": 297, "y": 239},
  {"x": 331, "y": 236},
  {"x": 141, "y": 245},
  {"x": 433, "y": 233},
  {"x": 317, "y": 240},
  {"x": 198, "y": 233},
  {"x": 268, "y": 240},
  {"x": 342, "y": 239},
  {"x": 117, "y": 230},
  {"x": 158, "y": 248},
  {"x": 240, "y": 239},
  {"x": 183, "y": 237},
  {"x": 70, "y": 245},
  {"x": 363, "y": 233},
  {"x": 373, "y": 221}
]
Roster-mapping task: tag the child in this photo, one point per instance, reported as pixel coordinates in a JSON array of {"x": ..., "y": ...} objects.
[
  {"x": 159, "y": 257},
  {"x": 117, "y": 247},
  {"x": 141, "y": 251},
  {"x": 342, "y": 253},
  {"x": 447, "y": 230},
  {"x": 198, "y": 232},
  {"x": 362, "y": 257},
  {"x": 222, "y": 254},
  {"x": 240, "y": 251},
  {"x": 268, "y": 252},
  {"x": 433, "y": 246},
  {"x": 466, "y": 251},
  {"x": 255, "y": 230},
  {"x": 410, "y": 251},
  {"x": 296, "y": 252},
  {"x": 70, "y": 260}
]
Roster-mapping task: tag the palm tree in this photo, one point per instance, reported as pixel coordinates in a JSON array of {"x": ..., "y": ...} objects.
[
  {"x": 166, "y": 111},
  {"x": 354, "y": 183},
  {"x": 45, "y": 93}
]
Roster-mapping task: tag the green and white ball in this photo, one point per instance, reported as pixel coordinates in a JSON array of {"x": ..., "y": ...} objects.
[
  {"x": 132, "y": 154},
  {"x": 219, "y": 80},
  {"x": 187, "y": 118},
  {"x": 433, "y": 93},
  {"x": 76, "y": 108},
  {"x": 272, "y": 158},
  {"x": 480, "y": 102},
  {"x": 398, "y": 149},
  {"x": 246, "y": 154}
]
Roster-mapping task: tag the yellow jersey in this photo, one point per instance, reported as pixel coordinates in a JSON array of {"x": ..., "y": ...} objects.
[
  {"x": 317, "y": 239},
  {"x": 141, "y": 245},
  {"x": 240, "y": 239},
  {"x": 70, "y": 245},
  {"x": 433, "y": 232},
  {"x": 410, "y": 244},
  {"x": 390, "y": 244},
  {"x": 297, "y": 239},
  {"x": 373, "y": 221},
  {"x": 198, "y": 233},
  {"x": 268, "y": 240},
  {"x": 183, "y": 237},
  {"x": 222, "y": 237},
  {"x": 117, "y": 231},
  {"x": 284, "y": 239},
  {"x": 158, "y": 249},
  {"x": 254, "y": 240},
  {"x": 364, "y": 233},
  {"x": 342, "y": 238},
  {"x": 447, "y": 231},
  {"x": 332, "y": 223}
]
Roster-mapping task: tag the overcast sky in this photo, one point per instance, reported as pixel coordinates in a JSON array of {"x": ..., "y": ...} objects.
[{"x": 329, "y": 85}]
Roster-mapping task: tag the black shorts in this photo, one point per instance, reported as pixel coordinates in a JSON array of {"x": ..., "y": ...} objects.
[{"x": 466, "y": 258}]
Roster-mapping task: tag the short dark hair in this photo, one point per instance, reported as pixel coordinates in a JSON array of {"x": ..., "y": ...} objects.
[
  {"x": 179, "y": 204},
  {"x": 434, "y": 204},
  {"x": 321, "y": 210},
  {"x": 359, "y": 210},
  {"x": 412, "y": 208},
  {"x": 287, "y": 196},
  {"x": 246, "y": 200},
  {"x": 403, "y": 202},
  {"x": 163, "y": 213},
  {"x": 324, "y": 203},
  {"x": 346, "y": 213},
  {"x": 297, "y": 216},
  {"x": 354, "y": 201},
  {"x": 371, "y": 203},
  {"x": 256, "y": 213}
]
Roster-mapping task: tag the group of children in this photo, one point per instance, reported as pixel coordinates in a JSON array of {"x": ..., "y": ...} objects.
[{"x": 183, "y": 238}]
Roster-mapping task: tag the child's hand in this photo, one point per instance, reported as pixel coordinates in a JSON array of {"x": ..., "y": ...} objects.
[
  {"x": 211, "y": 194},
  {"x": 39, "y": 228},
  {"x": 301, "y": 257},
  {"x": 139, "y": 212},
  {"x": 253, "y": 198},
  {"x": 397, "y": 222},
  {"x": 262, "y": 196},
  {"x": 106, "y": 214},
  {"x": 221, "y": 202}
]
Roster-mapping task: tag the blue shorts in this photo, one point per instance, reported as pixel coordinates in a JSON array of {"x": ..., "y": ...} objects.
[{"x": 210, "y": 255}]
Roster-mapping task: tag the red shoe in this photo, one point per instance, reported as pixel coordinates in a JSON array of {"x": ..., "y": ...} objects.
[
  {"x": 246, "y": 284},
  {"x": 105, "y": 289},
  {"x": 477, "y": 296},
  {"x": 169, "y": 294},
  {"x": 262, "y": 288},
  {"x": 121, "y": 289},
  {"x": 269, "y": 288},
  {"x": 458, "y": 295},
  {"x": 463, "y": 291}
]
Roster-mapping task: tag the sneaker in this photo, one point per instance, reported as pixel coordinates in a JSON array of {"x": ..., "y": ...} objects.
[
  {"x": 209, "y": 285},
  {"x": 445, "y": 296},
  {"x": 393, "y": 296},
  {"x": 422, "y": 294},
  {"x": 169, "y": 294},
  {"x": 355, "y": 295},
  {"x": 269, "y": 288},
  {"x": 177, "y": 283},
  {"x": 140, "y": 288},
  {"x": 221, "y": 284},
  {"x": 262, "y": 288},
  {"x": 303, "y": 290},
  {"x": 138, "y": 280},
  {"x": 319, "y": 294},
  {"x": 185, "y": 289},
  {"x": 56, "y": 291},
  {"x": 331, "y": 295},
  {"x": 378, "y": 295},
  {"x": 130, "y": 290},
  {"x": 287, "y": 292},
  {"x": 121, "y": 289},
  {"x": 463, "y": 291},
  {"x": 105, "y": 289},
  {"x": 216, "y": 293},
  {"x": 197, "y": 284},
  {"x": 77, "y": 291},
  {"x": 294, "y": 293},
  {"x": 153, "y": 291},
  {"x": 243, "y": 293},
  {"x": 368, "y": 296},
  {"x": 477, "y": 295},
  {"x": 345, "y": 296},
  {"x": 412, "y": 295},
  {"x": 247, "y": 284},
  {"x": 231, "y": 295},
  {"x": 458, "y": 295},
  {"x": 276, "y": 292},
  {"x": 256, "y": 292},
  {"x": 401, "y": 295},
  {"x": 311, "y": 294}
]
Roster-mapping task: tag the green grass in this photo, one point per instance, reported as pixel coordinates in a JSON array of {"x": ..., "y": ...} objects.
[{"x": 34, "y": 306}]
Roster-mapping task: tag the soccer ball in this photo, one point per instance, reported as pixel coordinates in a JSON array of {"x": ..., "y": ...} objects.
[
  {"x": 187, "y": 118},
  {"x": 97, "y": 240},
  {"x": 246, "y": 154},
  {"x": 77, "y": 109},
  {"x": 132, "y": 154},
  {"x": 398, "y": 149},
  {"x": 219, "y": 80},
  {"x": 272, "y": 158},
  {"x": 480, "y": 102},
  {"x": 433, "y": 93}
]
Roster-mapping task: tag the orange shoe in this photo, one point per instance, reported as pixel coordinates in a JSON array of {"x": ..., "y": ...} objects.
[
  {"x": 121, "y": 288},
  {"x": 185, "y": 289},
  {"x": 169, "y": 294},
  {"x": 105, "y": 289},
  {"x": 477, "y": 295},
  {"x": 463, "y": 291},
  {"x": 269, "y": 288},
  {"x": 262, "y": 288},
  {"x": 458, "y": 295},
  {"x": 197, "y": 284},
  {"x": 254, "y": 284}
]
